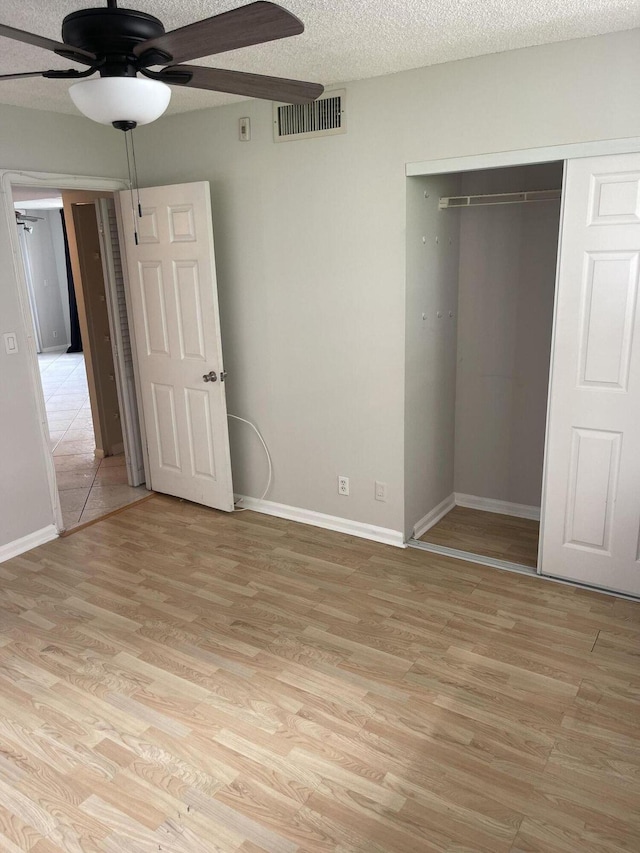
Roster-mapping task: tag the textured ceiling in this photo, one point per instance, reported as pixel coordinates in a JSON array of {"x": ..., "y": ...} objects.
[{"x": 343, "y": 40}]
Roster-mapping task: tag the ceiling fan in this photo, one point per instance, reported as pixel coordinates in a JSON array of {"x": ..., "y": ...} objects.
[
  {"x": 24, "y": 220},
  {"x": 120, "y": 43}
]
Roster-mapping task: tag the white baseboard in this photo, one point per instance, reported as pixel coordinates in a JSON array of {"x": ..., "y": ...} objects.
[
  {"x": 501, "y": 507},
  {"x": 329, "y": 522},
  {"x": 434, "y": 516},
  {"x": 58, "y": 348},
  {"x": 26, "y": 543}
]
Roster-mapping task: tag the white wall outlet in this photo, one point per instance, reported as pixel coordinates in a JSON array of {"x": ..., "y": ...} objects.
[
  {"x": 244, "y": 129},
  {"x": 343, "y": 485},
  {"x": 381, "y": 491},
  {"x": 54, "y": 334}
]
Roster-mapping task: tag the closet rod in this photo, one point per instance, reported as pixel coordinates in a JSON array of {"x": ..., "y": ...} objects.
[{"x": 498, "y": 198}]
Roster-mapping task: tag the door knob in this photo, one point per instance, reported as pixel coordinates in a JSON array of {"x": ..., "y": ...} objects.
[{"x": 211, "y": 376}]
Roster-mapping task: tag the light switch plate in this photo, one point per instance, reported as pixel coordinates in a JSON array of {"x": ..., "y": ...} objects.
[
  {"x": 11, "y": 343},
  {"x": 244, "y": 129}
]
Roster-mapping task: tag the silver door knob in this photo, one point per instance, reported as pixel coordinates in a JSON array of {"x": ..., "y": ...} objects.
[{"x": 211, "y": 376}]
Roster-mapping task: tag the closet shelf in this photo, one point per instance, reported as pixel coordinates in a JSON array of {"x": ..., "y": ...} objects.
[{"x": 447, "y": 202}]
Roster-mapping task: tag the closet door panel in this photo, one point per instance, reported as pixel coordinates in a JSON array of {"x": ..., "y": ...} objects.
[{"x": 591, "y": 504}]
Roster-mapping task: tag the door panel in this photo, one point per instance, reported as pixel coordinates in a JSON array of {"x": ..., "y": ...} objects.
[
  {"x": 593, "y": 474},
  {"x": 154, "y": 312},
  {"x": 591, "y": 510},
  {"x": 175, "y": 313},
  {"x": 200, "y": 433},
  {"x": 610, "y": 297},
  {"x": 190, "y": 329}
]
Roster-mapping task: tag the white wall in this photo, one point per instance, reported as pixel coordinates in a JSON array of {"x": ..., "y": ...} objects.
[
  {"x": 57, "y": 236},
  {"x": 43, "y": 272},
  {"x": 311, "y": 301},
  {"x": 310, "y": 242},
  {"x": 32, "y": 140},
  {"x": 507, "y": 280},
  {"x": 310, "y": 239},
  {"x": 430, "y": 378}
]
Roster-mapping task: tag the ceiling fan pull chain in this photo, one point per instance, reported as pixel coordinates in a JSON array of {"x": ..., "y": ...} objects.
[
  {"x": 133, "y": 209},
  {"x": 135, "y": 174}
]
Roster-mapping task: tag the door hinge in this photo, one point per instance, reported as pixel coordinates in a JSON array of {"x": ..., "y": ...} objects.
[{"x": 223, "y": 375}]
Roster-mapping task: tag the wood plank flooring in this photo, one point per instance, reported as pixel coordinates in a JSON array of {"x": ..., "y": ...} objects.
[
  {"x": 503, "y": 537},
  {"x": 177, "y": 679}
]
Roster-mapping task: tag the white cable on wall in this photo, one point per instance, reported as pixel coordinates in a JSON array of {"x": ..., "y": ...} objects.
[{"x": 266, "y": 450}]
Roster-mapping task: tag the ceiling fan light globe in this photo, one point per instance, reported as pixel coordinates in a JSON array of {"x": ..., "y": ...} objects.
[{"x": 121, "y": 99}]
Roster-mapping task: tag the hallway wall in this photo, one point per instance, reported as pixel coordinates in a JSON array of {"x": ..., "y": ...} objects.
[{"x": 49, "y": 289}]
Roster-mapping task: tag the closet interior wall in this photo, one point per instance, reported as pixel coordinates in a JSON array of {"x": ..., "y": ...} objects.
[
  {"x": 430, "y": 344},
  {"x": 506, "y": 285},
  {"x": 479, "y": 303}
]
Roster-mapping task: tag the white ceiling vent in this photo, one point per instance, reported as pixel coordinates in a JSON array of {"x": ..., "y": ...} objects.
[{"x": 323, "y": 117}]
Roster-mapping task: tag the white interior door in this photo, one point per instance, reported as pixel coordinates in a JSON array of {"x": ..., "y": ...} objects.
[
  {"x": 591, "y": 506},
  {"x": 174, "y": 303}
]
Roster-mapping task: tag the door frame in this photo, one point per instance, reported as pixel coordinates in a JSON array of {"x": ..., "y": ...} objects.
[
  {"x": 8, "y": 179},
  {"x": 523, "y": 156},
  {"x": 500, "y": 160}
]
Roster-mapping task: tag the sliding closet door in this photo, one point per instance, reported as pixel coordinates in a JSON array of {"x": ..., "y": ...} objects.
[{"x": 591, "y": 507}]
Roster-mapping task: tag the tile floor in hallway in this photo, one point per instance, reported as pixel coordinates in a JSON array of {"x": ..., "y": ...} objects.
[{"x": 88, "y": 487}]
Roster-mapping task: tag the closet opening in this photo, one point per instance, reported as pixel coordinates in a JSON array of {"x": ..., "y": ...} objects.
[
  {"x": 75, "y": 285},
  {"x": 482, "y": 249}
]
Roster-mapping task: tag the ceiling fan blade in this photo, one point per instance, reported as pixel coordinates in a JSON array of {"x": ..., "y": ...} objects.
[
  {"x": 55, "y": 74},
  {"x": 19, "y": 76},
  {"x": 252, "y": 24},
  {"x": 241, "y": 83},
  {"x": 66, "y": 50},
  {"x": 29, "y": 218}
]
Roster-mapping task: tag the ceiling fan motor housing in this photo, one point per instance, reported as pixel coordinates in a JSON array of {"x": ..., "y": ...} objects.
[{"x": 112, "y": 34}]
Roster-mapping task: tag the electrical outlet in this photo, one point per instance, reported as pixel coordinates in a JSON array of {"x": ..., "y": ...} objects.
[
  {"x": 54, "y": 334},
  {"x": 381, "y": 491},
  {"x": 343, "y": 485}
]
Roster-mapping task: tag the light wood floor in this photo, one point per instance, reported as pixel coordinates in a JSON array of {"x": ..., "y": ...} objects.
[
  {"x": 503, "y": 537},
  {"x": 176, "y": 679}
]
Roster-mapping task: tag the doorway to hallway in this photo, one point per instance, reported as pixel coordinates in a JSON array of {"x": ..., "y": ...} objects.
[{"x": 89, "y": 487}]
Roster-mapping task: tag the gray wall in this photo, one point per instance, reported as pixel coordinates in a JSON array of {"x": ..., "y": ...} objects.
[
  {"x": 310, "y": 241},
  {"x": 430, "y": 378},
  {"x": 31, "y": 140},
  {"x": 49, "y": 292},
  {"x": 507, "y": 281}
]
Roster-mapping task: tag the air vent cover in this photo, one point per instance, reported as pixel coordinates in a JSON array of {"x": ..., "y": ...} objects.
[{"x": 323, "y": 117}]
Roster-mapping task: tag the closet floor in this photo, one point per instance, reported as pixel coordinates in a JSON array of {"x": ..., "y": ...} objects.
[{"x": 503, "y": 537}]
